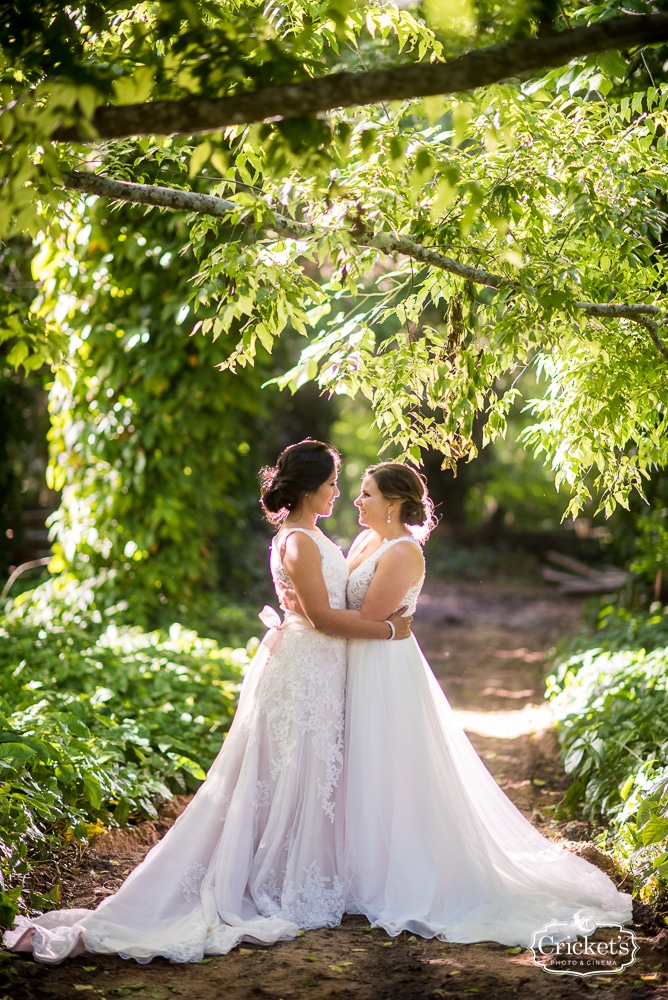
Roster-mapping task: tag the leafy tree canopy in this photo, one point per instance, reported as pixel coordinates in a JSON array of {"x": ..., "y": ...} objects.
[{"x": 486, "y": 181}]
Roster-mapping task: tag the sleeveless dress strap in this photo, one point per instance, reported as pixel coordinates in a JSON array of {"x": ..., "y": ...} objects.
[
  {"x": 402, "y": 538},
  {"x": 290, "y": 530},
  {"x": 315, "y": 535}
]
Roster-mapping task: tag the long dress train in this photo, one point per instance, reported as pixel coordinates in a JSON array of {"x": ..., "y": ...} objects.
[
  {"x": 432, "y": 844},
  {"x": 256, "y": 854}
]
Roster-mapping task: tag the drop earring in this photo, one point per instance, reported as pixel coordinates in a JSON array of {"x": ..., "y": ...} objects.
[{"x": 389, "y": 516}]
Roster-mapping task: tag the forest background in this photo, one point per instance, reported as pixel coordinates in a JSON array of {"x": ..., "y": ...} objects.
[{"x": 436, "y": 230}]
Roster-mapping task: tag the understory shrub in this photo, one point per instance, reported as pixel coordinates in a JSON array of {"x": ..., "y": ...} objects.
[
  {"x": 610, "y": 696},
  {"x": 99, "y": 722}
]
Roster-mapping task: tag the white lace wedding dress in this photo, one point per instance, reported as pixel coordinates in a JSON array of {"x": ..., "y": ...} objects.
[
  {"x": 433, "y": 846},
  {"x": 256, "y": 855}
]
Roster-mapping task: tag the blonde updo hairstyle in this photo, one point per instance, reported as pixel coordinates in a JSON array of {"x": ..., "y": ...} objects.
[
  {"x": 404, "y": 485},
  {"x": 300, "y": 469}
]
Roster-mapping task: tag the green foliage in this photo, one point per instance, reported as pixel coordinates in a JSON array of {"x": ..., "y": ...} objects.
[
  {"x": 553, "y": 185},
  {"x": 545, "y": 189},
  {"x": 100, "y": 722},
  {"x": 23, "y": 420},
  {"x": 610, "y": 696},
  {"x": 651, "y": 556},
  {"x": 156, "y": 451},
  {"x": 513, "y": 481}
]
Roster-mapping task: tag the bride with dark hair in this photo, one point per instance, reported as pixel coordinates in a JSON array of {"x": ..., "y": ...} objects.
[{"x": 257, "y": 854}]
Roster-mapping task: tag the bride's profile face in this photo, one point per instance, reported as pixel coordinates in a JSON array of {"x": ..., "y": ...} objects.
[
  {"x": 372, "y": 505},
  {"x": 321, "y": 501}
]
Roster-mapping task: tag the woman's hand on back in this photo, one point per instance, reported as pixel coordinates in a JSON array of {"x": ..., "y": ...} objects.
[
  {"x": 288, "y": 599},
  {"x": 402, "y": 625}
]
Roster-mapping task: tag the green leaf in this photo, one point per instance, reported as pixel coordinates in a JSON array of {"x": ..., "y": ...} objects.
[
  {"x": 574, "y": 757},
  {"x": 92, "y": 790},
  {"x": 18, "y": 353},
  {"x": 655, "y": 831},
  {"x": 17, "y": 752},
  {"x": 265, "y": 337},
  {"x": 134, "y": 89},
  {"x": 199, "y": 157},
  {"x": 76, "y": 726}
]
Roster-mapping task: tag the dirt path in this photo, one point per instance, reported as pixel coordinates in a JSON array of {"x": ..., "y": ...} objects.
[{"x": 486, "y": 644}]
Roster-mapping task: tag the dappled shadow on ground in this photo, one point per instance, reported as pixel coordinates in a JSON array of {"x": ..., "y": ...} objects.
[
  {"x": 487, "y": 646},
  {"x": 347, "y": 962}
]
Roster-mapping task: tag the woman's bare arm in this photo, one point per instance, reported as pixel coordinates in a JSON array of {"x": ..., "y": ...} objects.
[
  {"x": 397, "y": 570},
  {"x": 303, "y": 565}
]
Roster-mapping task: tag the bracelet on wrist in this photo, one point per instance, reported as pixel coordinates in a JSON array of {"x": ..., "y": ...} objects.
[{"x": 392, "y": 628}]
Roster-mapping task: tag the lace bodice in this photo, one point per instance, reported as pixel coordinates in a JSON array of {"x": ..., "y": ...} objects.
[
  {"x": 362, "y": 575},
  {"x": 334, "y": 568}
]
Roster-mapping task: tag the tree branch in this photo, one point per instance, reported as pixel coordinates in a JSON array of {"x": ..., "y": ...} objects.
[
  {"x": 640, "y": 312},
  {"x": 177, "y": 201},
  {"x": 388, "y": 244},
  {"x": 628, "y": 310},
  {"x": 653, "y": 329},
  {"x": 474, "y": 69},
  {"x": 206, "y": 204}
]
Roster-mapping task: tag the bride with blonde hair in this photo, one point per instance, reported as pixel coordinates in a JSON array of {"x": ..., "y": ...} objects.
[{"x": 432, "y": 844}]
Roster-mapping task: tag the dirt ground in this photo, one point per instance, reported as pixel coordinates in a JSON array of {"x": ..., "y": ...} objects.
[{"x": 487, "y": 645}]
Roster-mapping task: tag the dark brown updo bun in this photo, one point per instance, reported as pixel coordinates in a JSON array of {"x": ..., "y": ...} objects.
[
  {"x": 402, "y": 484},
  {"x": 301, "y": 468}
]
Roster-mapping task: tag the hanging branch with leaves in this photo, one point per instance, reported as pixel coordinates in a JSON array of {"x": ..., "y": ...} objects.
[{"x": 199, "y": 204}]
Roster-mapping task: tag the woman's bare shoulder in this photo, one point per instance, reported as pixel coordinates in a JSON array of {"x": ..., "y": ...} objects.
[{"x": 298, "y": 543}]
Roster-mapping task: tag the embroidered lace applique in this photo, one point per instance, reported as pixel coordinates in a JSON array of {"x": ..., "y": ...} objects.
[
  {"x": 319, "y": 902},
  {"x": 262, "y": 798},
  {"x": 192, "y": 879},
  {"x": 268, "y": 897}
]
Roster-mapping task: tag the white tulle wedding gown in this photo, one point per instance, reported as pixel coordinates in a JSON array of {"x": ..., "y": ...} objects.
[
  {"x": 432, "y": 845},
  {"x": 256, "y": 855}
]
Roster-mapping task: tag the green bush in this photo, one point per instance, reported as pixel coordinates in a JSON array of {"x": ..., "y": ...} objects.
[
  {"x": 99, "y": 722},
  {"x": 651, "y": 544},
  {"x": 154, "y": 450},
  {"x": 610, "y": 696}
]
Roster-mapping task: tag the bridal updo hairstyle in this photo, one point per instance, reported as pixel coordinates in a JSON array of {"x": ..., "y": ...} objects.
[
  {"x": 403, "y": 485},
  {"x": 301, "y": 468}
]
